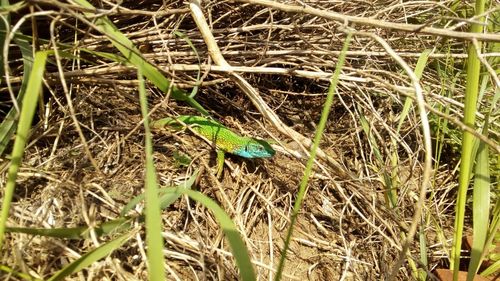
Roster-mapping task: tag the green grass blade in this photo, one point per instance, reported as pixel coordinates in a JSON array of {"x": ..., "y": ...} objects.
[
  {"x": 165, "y": 198},
  {"x": 237, "y": 245},
  {"x": 494, "y": 268},
  {"x": 310, "y": 162},
  {"x": 7, "y": 8},
  {"x": 27, "y": 112},
  {"x": 422, "y": 274},
  {"x": 496, "y": 97},
  {"x": 4, "y": 24},
  {"x": 81, "y": 232},
  {"x": 392, "y": 180},
  {"x": 494, "y": 233},
  {"x": 132, "y": 54},
  {"x": 471, "y": 94},
  {"x": 480, "y": 207},
  {"x": 390, "y": 193},
  {"x": 419, "y": 69},
  {"x": 238, "y": 248},
  {"x": 192, "y": 46},
  {"x": 110, "y": 56},
  {"x": 91, "y": 257},
  {"x": 154, "y": 240},
  {"x": 20, "y": 275},
  {"x": 8, "y": 125},
  {"x": 442, "y": 128},
  {"x": 482, "y": 237}
]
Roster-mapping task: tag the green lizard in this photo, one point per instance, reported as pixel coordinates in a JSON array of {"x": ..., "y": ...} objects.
[{"x": 224, "y": 140}]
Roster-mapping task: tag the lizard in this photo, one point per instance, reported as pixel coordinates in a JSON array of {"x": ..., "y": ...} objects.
[{"x": 223, "y": 139}]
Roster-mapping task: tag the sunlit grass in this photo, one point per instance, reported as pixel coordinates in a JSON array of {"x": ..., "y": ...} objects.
[
  {"x": 134, "y": 57},
  {"x": 23, "y": 132},
  {"x": 121, "y": 229},
  {"x": 309, "y": 165},
  {"x": 154, "y": 240},
  {"x": 467, "y": 155}
]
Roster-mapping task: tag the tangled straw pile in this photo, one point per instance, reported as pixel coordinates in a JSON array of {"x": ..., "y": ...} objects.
[{"x": 262, "y": 68}]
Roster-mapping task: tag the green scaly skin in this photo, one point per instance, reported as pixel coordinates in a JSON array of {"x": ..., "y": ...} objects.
[{"x": 225, "y": 140}]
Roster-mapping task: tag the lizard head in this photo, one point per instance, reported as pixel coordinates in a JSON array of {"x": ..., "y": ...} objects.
[{"x": 254, "y": 148}]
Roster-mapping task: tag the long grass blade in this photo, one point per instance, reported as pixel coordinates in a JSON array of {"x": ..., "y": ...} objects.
[
  {"x": 154, "y": 239},
  {"x": 390, "y": 193},
  {"x": 132, "y": 54},
  {"x": 492, "y": 269},
  {"x": 309, "y": 165},
  {"x": 195, "y": 51},
  {"x": 471, "y": 94},
  {"x": 91, "y": 257},
  {"x": 422, "y": 274},
  {"x": 238, "y": 248},
  {"x": 22, "y": 276},
  {"x": 81, "y": 232},
  {"x": 419, "y": 69},
  {"x": 8, "y": 125},
  {"x": 27, "y": 112},
  {"x": 165, "y": 198},
  {"x": 480, "y": 207},
  {"x": 494, "y": 231}
]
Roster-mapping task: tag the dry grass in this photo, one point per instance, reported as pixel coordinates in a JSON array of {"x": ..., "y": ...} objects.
[{"x": 345, "y": 230}]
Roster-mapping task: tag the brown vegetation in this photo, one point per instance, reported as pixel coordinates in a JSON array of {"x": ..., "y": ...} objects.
[{"x": 346, "y": 229}]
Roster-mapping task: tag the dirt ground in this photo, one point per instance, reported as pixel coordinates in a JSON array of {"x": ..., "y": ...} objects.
[{"x": 346, "y": 229}]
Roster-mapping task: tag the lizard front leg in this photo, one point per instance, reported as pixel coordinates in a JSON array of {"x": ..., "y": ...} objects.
[{"x": 220, "y": 162}]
